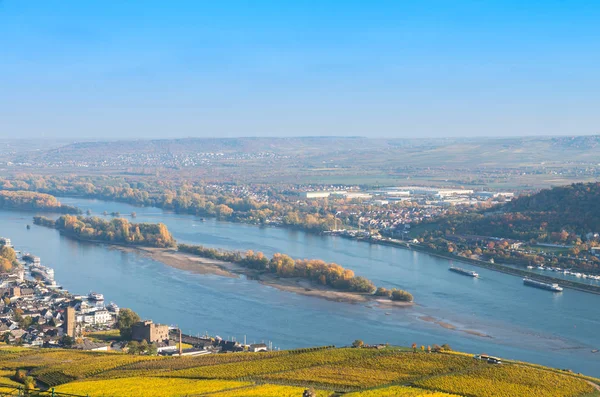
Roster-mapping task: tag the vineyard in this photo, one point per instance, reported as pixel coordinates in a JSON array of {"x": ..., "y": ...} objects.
[
  {"x": 351, "y": 372},
  {"x": 151, "y": 387},
  {"x": 509, "y": 380},
  {"x": 399, "y": 391}
]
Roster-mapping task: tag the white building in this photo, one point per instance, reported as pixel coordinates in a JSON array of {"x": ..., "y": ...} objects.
[
  {"x": 101, "y": 316},
  {"x": 320, "y": 194}
]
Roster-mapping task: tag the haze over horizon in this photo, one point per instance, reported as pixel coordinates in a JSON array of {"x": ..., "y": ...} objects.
[{"x": 104, "y": 70}]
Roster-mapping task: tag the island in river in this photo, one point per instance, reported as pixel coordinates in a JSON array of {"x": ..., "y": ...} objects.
[
  {"x": 199, "y": 265},
  {"x": 307, "y": 277}
]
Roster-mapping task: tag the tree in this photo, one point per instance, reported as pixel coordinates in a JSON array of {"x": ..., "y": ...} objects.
[
  {"x": 5, "y": 265},
  {"x": 361, "y": 284},
  {"x": 143, "y": 346},
  {"x": 133, "y": 347},
  {"x": 25, "y": 322},
  {"x": 8, "y": 253},
  {"x": 152, "y": 349},
  {"x": 358, "y": 343},
  {"x": 67, "y": 341},
  {"x": 125, "y": 321},
  {"x": 6, "y": 337},
  {"x": 20, "y": 375},
  {"x": 309, "y": 393},
  {"x": 29, "y": 383},
  {"x": 400, "y": 295}
]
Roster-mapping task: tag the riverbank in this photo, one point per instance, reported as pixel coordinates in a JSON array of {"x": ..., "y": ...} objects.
[
  {"x": 592, "y": 289},
  {"x": 199, "y": 265}
]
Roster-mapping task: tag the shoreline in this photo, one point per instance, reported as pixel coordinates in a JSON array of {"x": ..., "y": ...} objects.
[
  {"x": 589, "y": 288},
  {"x": 405, "y": 245},
  {"x": 199, "y": 265}
]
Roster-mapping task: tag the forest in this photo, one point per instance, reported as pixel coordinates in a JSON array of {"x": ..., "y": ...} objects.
[
  {"x": 316, "y": 270},
  {"x": 118, "y": 230},
  {"x": 566, "y": 215},
  {"x": 33, "y": 201}
]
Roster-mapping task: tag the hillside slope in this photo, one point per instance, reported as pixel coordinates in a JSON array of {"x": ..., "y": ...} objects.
[
  {"x": 354, "y": 372},
  {"x": 560, "y": 215}
]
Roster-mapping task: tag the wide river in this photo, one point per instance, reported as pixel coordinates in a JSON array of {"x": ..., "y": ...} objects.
[{"x": 520, "y": 322}]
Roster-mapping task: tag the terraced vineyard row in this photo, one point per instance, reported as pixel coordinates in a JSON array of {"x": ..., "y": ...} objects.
[
  {"x": 507, "y": 381},
  {"x": 149, "y": 387},
  {"x": 67, "y": 372},
  {"x": 399, "y": 391},
  {"x": 359, "y": 372},
  {"x": 248, "y": 369}
]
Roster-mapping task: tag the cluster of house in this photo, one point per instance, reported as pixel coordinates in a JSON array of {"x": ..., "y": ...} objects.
[
  {"x": 33, "y": 314},
  {"x": 36, "y": 312}
]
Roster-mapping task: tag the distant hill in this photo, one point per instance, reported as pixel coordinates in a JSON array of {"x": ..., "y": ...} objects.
[
  {"x": 444, "y": 151},
  {"x": 559, "y": 214},
  {"x": 523, "y": 163}
]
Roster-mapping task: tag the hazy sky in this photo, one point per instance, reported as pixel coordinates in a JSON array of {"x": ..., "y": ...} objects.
[{"x": 401, "y": 68}]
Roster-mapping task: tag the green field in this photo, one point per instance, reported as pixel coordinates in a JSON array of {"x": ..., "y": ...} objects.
[{"x": 390, "y": 371}]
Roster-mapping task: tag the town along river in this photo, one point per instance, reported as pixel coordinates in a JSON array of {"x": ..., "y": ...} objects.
[{"x": 495, "y": 314}]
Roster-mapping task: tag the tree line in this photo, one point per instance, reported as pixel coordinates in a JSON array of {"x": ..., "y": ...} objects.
[
  {"x": 117, "y": 230},
  {"x": 32, "y": 201},
  {"x": 316, "y": 270},
  {"x": 191, "y": 198}
]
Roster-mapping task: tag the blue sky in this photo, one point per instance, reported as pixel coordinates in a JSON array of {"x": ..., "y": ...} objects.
[{"x": 136, "y": 69}]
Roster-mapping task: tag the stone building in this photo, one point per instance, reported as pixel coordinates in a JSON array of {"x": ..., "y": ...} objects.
[
  {"x": 150, "y": 332},
  {"x": 69, "y": 323}
]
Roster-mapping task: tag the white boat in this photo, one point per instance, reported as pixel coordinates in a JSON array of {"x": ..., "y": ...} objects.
[
  {"x": 113, "y": 307},
  {"x": 43, "y": 272},
  {"x": 95, "y": 296},
  {"x": 529, "y": 267}
]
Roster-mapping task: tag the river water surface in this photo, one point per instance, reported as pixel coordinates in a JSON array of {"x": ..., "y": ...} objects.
[{"x": 520, "y": 322}]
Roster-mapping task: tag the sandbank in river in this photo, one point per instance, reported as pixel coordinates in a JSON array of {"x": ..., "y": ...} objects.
[{"x": 196, "y": 264}]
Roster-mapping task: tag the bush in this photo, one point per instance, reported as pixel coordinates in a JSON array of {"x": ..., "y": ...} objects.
[
  {"x": 383, "y": 292},
  {"x": 401, "y": 295}
]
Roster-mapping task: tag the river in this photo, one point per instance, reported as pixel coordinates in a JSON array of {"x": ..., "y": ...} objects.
[{"x": 523, "y": 323}]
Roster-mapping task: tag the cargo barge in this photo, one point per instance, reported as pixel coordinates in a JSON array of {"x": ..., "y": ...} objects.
[
  {"x": 538, "y": 284},
  {"x": 459, "y": 270}
]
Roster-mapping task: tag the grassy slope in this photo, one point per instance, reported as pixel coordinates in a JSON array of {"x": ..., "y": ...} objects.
[{"x": 361, "y": 372}]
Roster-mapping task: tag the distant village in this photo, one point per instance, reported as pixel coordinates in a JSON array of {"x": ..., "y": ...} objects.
[
  {"x": 37, "y": 312},
  {"x": 391, "y": 210}
]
